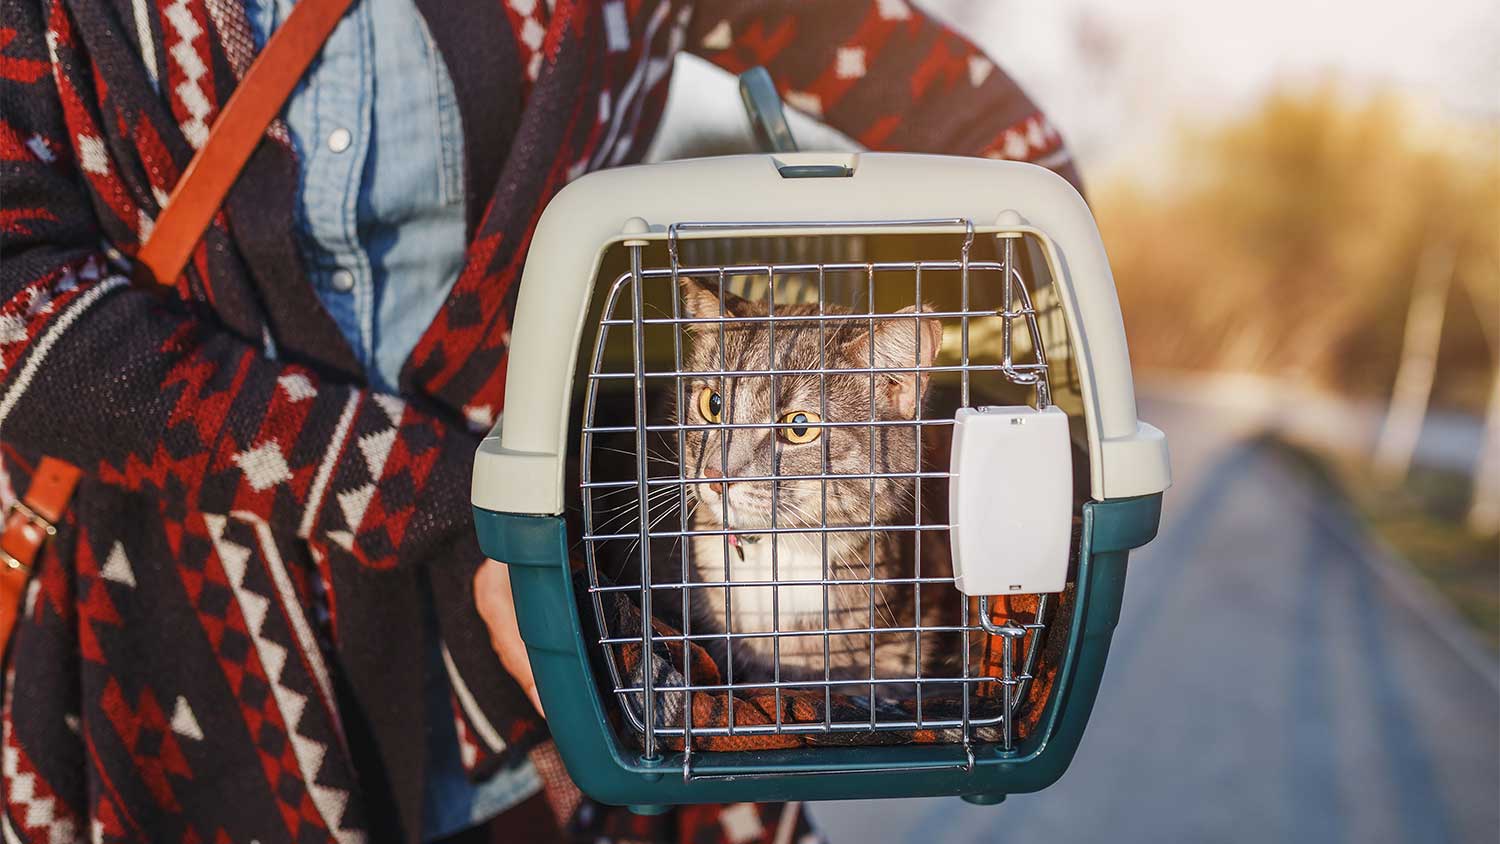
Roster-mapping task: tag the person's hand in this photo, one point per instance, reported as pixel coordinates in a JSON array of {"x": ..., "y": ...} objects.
[{"x": 498, "y": 609}]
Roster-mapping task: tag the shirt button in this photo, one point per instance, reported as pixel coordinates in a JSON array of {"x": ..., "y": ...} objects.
[
  {"x": 342, "y": 281},
  {"x": 339, "y": 140}
]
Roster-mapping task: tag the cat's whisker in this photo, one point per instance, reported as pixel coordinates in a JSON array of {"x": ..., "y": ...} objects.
[
  {"x": 632, "y": 490},
  {"x": 814, "y": 524},
  {"x": 656, "y": 456},
  {"x": 660, "y": 490},
  {"x": 628, "y": 508},
  {"x": 631, "y": 549},
  {"x": 883, "y": 602}
]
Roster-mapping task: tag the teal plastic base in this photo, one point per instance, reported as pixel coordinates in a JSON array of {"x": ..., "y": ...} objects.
[
  {"x": 536, "y": 547},
  {"x": 987, "y": 799}
]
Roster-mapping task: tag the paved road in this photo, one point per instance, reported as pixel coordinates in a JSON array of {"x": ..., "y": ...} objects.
[
  {"x": 1449, "y": 439},
  {"x": 1271, "y": 680}
]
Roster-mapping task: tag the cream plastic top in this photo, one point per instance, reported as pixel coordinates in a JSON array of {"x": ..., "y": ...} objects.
[{"x": 519, "y": 466}]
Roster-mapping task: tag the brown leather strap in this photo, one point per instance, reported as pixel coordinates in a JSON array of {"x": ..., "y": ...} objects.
[
  {"x": 235, "y": 134},
  {"x": 28, "y": 524}
]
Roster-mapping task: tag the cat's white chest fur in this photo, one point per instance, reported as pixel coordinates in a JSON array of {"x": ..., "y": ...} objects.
[{"x": 797, "y": 558}]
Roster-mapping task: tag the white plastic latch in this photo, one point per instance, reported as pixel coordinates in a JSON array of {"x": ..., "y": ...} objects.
[{"x": 1010, "y": 500}]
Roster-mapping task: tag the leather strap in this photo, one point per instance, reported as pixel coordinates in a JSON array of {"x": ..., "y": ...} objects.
[
  {"x": 239, "y": 128},
  {"x": 28, "y": 524}
]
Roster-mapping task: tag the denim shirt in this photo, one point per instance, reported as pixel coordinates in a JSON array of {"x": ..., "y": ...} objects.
[
  {"x": 381, "y": 226},
  {"x": 381, "y": 216}
]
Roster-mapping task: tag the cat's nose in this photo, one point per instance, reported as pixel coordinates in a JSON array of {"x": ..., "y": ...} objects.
[{"x": 711, "y": 472}]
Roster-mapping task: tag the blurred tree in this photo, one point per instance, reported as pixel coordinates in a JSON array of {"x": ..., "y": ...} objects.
[
  {"x": 1288, "y": 243},
  {"x": 1484, "y": 510},
  {"x": 1417, "y": 369}
]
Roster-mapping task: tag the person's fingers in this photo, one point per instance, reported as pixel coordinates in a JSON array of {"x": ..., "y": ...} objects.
[
  {"x": 513, "y": 656},
  {"x": 519, "y": 666},
  {"x": 536, "y": 699},
  {"x": 492, "y": 598}
]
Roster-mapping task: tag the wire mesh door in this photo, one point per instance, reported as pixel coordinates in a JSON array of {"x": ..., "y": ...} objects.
[{"x": 775, "y": 486}]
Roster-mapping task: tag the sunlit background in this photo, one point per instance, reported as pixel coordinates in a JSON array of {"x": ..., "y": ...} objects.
[{"x": 1301, "y": 202}]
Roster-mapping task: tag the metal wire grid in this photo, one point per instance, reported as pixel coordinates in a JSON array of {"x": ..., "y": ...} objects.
[
  {"x": 625, "y": 308},
  {"x": 756, "y": 252}
]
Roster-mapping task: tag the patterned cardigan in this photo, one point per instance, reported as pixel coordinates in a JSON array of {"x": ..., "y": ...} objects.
[{"x": 222, "y": 644}]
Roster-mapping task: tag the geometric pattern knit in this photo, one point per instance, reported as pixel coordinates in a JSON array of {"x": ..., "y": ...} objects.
[{"x": 222, "y": 643}]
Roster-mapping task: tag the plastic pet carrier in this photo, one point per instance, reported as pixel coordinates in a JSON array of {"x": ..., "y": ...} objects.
[{"x": 817, "y": 477}]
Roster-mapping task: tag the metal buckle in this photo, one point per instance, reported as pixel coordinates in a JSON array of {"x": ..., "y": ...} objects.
[{"x": 32, "y": 517}]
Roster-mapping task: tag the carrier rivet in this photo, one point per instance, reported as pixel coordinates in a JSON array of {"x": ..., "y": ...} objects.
[
  {"x": 635, "y": 225},
  {"x": 1008, "y": 219}
]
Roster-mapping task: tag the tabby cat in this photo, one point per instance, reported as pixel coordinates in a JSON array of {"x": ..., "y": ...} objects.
[{"x": 714, "y": 449}]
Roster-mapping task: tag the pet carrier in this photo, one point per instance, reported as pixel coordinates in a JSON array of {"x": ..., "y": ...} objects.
[{"x": 817, "y": 477}]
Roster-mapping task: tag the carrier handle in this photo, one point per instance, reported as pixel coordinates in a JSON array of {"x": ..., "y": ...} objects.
[
  {"x": 763, "y": 107},
  {"x": 772, "y": 131}
]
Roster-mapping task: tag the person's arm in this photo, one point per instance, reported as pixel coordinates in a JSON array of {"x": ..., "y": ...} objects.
[
  {"x": 134, "y": 387},
  {"x": 883, "y": 73}
]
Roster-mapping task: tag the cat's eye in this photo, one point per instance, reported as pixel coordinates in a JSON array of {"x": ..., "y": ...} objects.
[
  {"x": 802, "y": 435},
  {"x": 711, "y": 405}
]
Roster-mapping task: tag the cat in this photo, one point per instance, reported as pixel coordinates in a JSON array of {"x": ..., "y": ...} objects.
[{"x": 711, "y": 450}]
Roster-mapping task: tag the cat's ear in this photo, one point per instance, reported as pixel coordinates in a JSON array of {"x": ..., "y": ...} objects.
[
  {"x": 701, "y": 301},
  {"x": 905, "y": 343}
]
